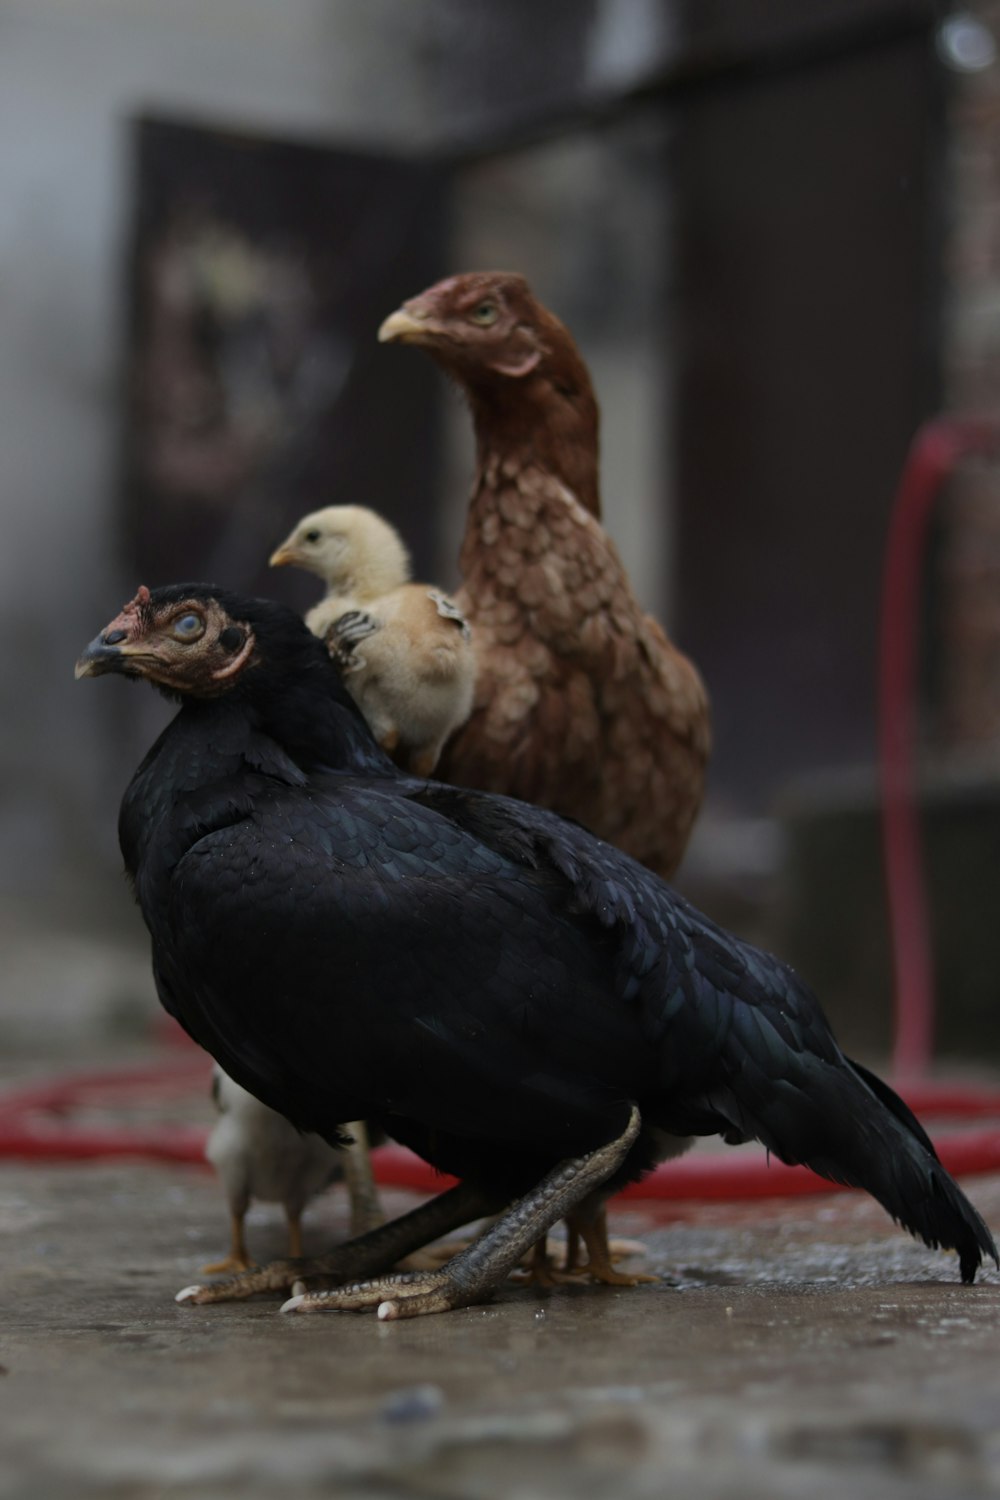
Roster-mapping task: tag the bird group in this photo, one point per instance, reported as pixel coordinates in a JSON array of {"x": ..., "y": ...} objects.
[{"x": 488, "y": 966}]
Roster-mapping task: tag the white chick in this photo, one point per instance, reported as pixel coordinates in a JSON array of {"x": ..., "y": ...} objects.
[
  {"x": 258, "y": 1154},
  {"x": 414, "y": 676}
]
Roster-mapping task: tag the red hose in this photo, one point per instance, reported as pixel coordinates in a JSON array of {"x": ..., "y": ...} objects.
[
  {"x": 933, "y": 454},
  {"x": 31, "y": 1130},
  {"x": 730, "y": 1177},
  {"x": 167, "y": 1143},
  {"x": 71, "y": 1091},
  {"x": 33, "y": 1125}
]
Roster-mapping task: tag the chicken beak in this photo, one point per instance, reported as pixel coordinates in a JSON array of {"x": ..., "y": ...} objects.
[
  {"x": 402, "y": 327},
  {"x": 99, "y": 658},
  {"x": 284, "y": 555}
]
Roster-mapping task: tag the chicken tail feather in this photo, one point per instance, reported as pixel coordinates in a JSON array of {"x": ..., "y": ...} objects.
[{"x": 879, "y": 1145}]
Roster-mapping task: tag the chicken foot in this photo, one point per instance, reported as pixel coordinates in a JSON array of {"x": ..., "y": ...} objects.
[
  {"x": 238, "y": 1258},
  {"x": 345, "y": 633},
  {"x": 474, "y": 1273},
  {"x": 591, "y": 1226},
  {"x": 367, "y": 1255},
  {"x": 618, "y": 1248}
]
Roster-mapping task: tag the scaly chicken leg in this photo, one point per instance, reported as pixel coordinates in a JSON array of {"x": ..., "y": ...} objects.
[{"x": 475, "y": 1272}]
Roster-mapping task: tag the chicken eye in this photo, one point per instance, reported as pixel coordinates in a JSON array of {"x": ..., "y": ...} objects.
[
  {"x": 188, "y": 627},
  {"x": 311, "y": 536},
  {"x": 485, "y": 314}
]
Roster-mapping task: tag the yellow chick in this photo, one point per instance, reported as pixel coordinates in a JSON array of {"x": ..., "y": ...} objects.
[{"x": 404, "y": 648}]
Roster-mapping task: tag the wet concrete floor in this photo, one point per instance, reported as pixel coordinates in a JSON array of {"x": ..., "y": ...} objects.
[{"x": 792, "y": 1348}]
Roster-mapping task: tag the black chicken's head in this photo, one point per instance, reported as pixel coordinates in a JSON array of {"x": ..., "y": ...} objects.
[
  {"x": 481, "y": 321},
  {"x": 197, "y": 641}
]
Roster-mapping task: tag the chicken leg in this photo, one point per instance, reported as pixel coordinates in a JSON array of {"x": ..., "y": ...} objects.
[
  {"x": 369, "y": 1254},
  {"x": 592, "y": 1229},
  {"x": 475, "y": 1272},
  {"x": 238, "y": 1258},
  {"x": 366, "y": 1210}
]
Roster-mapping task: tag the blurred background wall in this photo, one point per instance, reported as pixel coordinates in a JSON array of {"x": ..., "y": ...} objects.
[
  {"x": 773, "y": 230},
  {"x": 74, "y": 80}
]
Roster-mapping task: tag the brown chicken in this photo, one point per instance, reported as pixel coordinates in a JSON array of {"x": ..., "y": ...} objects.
[{"x": 582, "y": 703}]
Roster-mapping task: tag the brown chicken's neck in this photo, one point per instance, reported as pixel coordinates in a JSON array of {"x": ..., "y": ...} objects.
[
  {"x": 518, "y": 507},
  {"x": 536, "y": 426}
]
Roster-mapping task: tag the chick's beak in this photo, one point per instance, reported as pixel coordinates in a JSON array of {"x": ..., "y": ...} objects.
[
  {"x": 102, "y": 655},
  {"x": 284, "y": 555},
  {"x": 406, "y": 325}
]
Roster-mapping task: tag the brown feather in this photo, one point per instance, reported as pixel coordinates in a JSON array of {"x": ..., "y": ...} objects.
[{"x": 582, "y": 703}]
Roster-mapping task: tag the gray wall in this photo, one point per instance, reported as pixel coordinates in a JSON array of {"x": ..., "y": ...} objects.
[{"x": 72, "y": 75}]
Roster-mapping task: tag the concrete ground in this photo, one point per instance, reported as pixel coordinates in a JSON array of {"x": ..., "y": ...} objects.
[{"x": 789, "y": 1348}]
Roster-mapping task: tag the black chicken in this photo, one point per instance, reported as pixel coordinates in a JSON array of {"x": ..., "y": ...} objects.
[{"x": 522, "y": 1004}]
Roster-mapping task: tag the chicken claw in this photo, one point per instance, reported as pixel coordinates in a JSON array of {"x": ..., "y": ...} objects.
[
  {"x": 402, "y": 1296},
  {"x": 278, "y": 1276},
  {"x": 354, "y": 626}
]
